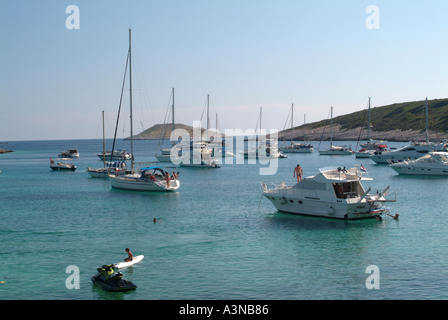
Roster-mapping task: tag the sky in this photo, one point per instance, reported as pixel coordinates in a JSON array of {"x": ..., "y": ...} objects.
[{"x": 55, "y": 81}]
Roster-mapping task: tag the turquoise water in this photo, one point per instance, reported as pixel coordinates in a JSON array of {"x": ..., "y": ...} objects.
[{"x": 216, "y": 238}]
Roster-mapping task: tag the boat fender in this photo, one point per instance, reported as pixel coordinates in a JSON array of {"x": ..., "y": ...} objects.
[
  {"x": 330, "y": 211},
  {"x": 283, "y": 201}
]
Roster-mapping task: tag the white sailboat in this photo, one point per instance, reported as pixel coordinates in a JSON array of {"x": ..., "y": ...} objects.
[
  {"x": 368, "y": 148},
  {"x": 141, "y": 179},
  {"x": 296, "y": 147},
  {"x": 335, "y": 150},
  {"x": 165, "y": 153},
  {"x": 202, "y": 154},
  {"x": 267, "y": 148},
  {"x": 221, "y": 150},
  {"x": 107, "y": 166}
]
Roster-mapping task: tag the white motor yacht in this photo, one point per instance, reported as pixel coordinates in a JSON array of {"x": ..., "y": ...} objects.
[
  {"x": 70, "y": 153},
  {"x": 411, "y": 152},
  {"x": 332, "y": 193},
  {"x": 266, "y": 149},
  {"x": 432, "y": 164},
  {"x": 116, "y": 155},
  {"x": 62, "y": 164},
  {"x": 201, "y": 156}
]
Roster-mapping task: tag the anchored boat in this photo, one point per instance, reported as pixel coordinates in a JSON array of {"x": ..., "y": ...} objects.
[
  {"x": 432, "y": 164},
  {"x": 333, "y": 193}
]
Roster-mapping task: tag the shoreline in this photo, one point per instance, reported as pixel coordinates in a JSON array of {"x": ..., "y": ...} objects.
[{"x": 323, "y": 134}]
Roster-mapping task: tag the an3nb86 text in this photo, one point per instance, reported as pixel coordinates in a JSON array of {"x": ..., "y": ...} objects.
[{"x": 232, "y": 309}]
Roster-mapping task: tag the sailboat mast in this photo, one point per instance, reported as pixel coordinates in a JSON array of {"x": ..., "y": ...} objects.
[
  {"x": 130, "y": 94},
  {"x": 173, "y": 109},
  {"x": 104, "y": 147},
  {"x": 368, "y": 125},
  {"x": 292, "y": 119},
  {"x": 427, "y": 133},
  {"x": 331, "y": 129},
  {"x": 208, "y": 115}
]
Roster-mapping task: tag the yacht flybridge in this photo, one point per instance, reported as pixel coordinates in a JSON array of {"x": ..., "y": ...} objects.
[{"x": 332, "y": 193}]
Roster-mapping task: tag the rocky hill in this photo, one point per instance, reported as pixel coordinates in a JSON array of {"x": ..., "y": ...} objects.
[
  {"x": 162, "y": 131},
  {"x": 397, "y": 122}
]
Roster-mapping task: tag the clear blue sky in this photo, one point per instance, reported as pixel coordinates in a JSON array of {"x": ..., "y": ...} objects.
[{"x": 247, "y": 54}]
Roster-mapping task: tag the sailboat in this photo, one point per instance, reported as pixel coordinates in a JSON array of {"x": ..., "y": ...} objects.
[
  {"x": 267, "y": 148},
  {"x": 368, "y": 148},
  {"x": 165, "y": 153},
  {"x": 201, "y": 154},
  {"x": 296, "y": 147},
  {"x": 111, "y": 165},
  {"x": 152, "y": 178},
  {"x": 222, "y": 149},
  {"x": 335, "y": 150}
]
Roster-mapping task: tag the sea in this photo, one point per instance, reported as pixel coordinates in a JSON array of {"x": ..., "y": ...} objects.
[{"x": 216, "y": 237}]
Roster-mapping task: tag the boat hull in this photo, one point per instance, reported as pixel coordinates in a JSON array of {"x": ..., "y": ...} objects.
[
  {"x": 335, "y": 152},
  {"x": 114, "y": 157},
  {"x": 137, "y": 184},
  {"x": 200, "y": 166},
  {"x": 404, "y": 169},
  {"x": 98, "y": 173},
  {"x": 163, "y": 158},
  {"x": 318, "y": 208},
  {"x": 363, "y": 154},
  {"x": 301, "y": 150},
  {"x": 57, "y": 168}
]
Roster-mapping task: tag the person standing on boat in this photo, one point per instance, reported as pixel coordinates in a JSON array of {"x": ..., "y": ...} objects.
[
  {"x": 299, "y": 172},
  {"x": 167, "y": 178}
]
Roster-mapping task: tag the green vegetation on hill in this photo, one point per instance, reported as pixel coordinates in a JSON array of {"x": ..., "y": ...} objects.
[
  {"x": 403, "y": 116},
  {"x": 163, "y": 131}
]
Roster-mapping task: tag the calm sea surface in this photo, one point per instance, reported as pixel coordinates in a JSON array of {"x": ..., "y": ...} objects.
[{"x": 216, "y": 238}]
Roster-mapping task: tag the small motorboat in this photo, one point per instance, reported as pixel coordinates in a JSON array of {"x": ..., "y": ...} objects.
[
  {"x": 62, "y": 165},
  {"x": 70, "y": 153},
  {"x": 110, "y": 280},
  {"x": 113, "y": 166}
]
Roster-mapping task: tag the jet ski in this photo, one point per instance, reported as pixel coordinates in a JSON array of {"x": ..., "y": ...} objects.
[{"x": 110, "y": 280}]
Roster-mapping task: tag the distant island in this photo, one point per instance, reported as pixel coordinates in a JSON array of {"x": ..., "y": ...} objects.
[
  {"x": 404, "y": 121},
  {"x": 162, "y": 131}
]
